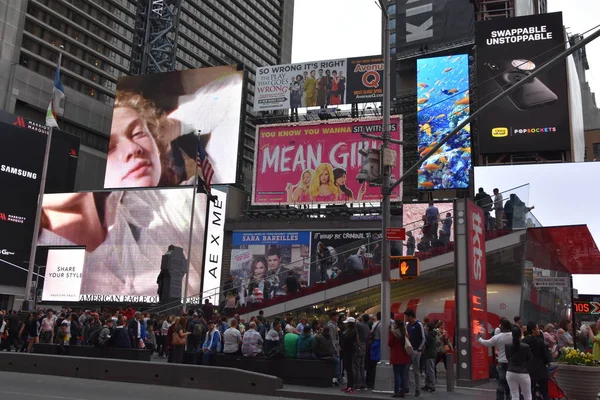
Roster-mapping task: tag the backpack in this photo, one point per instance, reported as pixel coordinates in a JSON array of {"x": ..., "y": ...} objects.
[
  {"x": 94, "y": 339},
  {"x": 199, "y": 330}
]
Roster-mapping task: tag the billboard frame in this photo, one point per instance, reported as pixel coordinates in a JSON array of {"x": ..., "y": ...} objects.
[{"x": 326, "y": 122}]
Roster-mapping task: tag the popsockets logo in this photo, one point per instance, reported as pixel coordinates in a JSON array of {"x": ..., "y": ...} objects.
[{"x": 533, "y": 131}]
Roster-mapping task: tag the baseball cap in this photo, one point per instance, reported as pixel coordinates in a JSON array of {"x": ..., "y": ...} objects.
[{"x": 350, "y": 320}]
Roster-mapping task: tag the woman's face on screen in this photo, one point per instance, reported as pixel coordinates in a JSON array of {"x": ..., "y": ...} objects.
[{"x": 133, "y": 157}]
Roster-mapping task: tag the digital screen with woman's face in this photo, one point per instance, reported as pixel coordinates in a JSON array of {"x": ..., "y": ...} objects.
[
  {"x": 133, "y": 156},
  {"x": 158, "y": 118}
]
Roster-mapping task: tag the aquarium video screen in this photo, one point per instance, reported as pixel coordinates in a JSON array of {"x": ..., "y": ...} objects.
[{"x": 442, "y": 104}]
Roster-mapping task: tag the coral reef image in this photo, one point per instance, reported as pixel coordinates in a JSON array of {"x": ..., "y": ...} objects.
[{"x": 443, "y": 103}]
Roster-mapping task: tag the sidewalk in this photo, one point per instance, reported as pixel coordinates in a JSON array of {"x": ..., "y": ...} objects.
[
  {"x": 303, "y": 392},
  {"x": 486, "y": 391}
]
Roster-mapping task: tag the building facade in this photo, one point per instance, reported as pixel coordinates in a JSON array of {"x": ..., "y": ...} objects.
[{"x": 97, "y": 38}]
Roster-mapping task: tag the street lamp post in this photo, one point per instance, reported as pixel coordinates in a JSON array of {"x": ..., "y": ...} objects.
[{"x": 384, "y": 376}]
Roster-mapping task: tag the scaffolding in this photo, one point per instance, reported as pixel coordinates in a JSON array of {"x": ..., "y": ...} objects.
[
  {"x": 492, "y": 9},
  {"x": 155, "y": 39}
]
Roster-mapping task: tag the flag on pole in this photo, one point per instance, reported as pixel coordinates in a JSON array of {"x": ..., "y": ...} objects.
[
  {"x": 58, "y": 93},
  {"x": 205, "y": 168}
]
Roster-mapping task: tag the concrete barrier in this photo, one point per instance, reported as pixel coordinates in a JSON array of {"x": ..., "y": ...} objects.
[
  {"x": 91, "y": 351},
  {"x": 197, "y": 377}
]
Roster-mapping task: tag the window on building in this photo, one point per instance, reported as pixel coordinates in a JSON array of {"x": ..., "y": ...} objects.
[{"x": 596, "y": 149}]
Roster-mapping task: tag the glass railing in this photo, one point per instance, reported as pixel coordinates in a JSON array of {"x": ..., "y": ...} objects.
[{"x": 362, "y": 258}]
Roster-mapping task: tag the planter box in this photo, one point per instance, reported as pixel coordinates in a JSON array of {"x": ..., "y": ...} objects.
[{"x": 579, "y": 382}]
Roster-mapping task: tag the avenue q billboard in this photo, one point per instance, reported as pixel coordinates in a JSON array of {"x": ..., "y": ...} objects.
[
  {"x": 317, "y": 162},
  {"x": 319, "y": 83},
  {"x": 535, "y": 117}
]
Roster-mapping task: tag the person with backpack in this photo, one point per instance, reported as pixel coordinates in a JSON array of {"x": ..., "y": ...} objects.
[
  {"x": 101, "y": 337},
  {"x": 431, "y": 347},
  {"x": 416, "y": 334}
]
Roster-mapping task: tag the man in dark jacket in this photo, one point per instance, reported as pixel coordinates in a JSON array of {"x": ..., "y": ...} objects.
[
  {"x": 134, "y": 327},
  {"x": 538, "y": 368},
  {"x": 120, "y": 336},
  {"x": 416, "y": 333}
]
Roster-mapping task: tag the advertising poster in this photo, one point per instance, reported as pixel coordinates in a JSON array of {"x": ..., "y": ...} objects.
[
  {"x": 429, "y": 25},
  {"x": 213, "y": 256},
  {"x": 64, "y": 153},
  {"x": 349, "y": 251},
  {"x": 443, "y": 103},
  {"x": 536, "y": 116},
  {"x": 64, "y": 272},
  {"x": 125, "y": 234},
  {"x": 156, "y": 122},
  {"x": 319, "y": 83},
  {"x": 317, "y": 162},
  {"x": 21, "y": 161},
  {"x": 413, "y": 221},
  {"x": 477, "y": 289},
  {"x": 262, "y": 261}
]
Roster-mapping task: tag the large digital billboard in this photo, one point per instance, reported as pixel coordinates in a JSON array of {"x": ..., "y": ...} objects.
[
  {"x": 319, "y": 83},
  {"x": 413, "y": 220},
  {"x": 263, "y": 260},
  {"x": 427, "y": 25},
  {"x": 156, "y": 122},
  {"x": 21, "y": 161},
  {"x": 64, "y": 153},
  {"x": 213, "y": 256},
  {"x": 125, "y": 234},
  {"x": 348, "y": 250},
  {"x": 443, "y": 103},
  {"x": 63, "y": 275},
  {"x": 317, "y": 162},
  {"x": 536, "y": 116}
]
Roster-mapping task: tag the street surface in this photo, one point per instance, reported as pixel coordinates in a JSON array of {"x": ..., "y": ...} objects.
[{"x": 48, "y": 387}]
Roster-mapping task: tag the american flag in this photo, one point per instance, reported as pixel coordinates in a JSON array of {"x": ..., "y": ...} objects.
[{"x": 204, "y": 166}]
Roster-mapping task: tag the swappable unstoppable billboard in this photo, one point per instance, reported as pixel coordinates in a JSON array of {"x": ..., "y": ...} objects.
[
  {"x": 535, "y": 117},
  {"x": 443, "y": 103},
  {"x": 319, "y": 83},
  {"x": 158, "y": 118},
  {"x": 317, "y": 162}
]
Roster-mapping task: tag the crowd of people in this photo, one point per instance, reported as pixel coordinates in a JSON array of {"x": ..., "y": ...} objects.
[
  {"x": 351, "y": 343},
  {"x": 121, "y": 329},
  {"x": 436, "y": 229},
  {"x": 524, "y": 351}
]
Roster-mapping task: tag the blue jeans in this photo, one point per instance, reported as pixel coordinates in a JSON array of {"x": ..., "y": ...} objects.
[
  {"x": 400, "y": 384},
  {"x": 502, "y": 392},
  {"x": 208, "y": 358}
]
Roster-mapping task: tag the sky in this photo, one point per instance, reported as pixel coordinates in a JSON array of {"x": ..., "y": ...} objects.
[
  {"x": 580, "y": 16},
  {"x": 354, "y": 30}
]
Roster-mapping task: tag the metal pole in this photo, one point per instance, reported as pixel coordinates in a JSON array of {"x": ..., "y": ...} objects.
[
  {"x": 36, "y": 226},
  {"x": 502, "y": 95},
  {"x": 189, "y": 253},
  {"x": 385, "y": 189}
]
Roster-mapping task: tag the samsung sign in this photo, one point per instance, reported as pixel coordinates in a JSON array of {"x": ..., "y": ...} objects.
[{"x": 213, "y": 256}]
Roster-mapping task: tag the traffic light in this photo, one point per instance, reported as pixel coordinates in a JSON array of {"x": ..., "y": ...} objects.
[{"x": 408, "y": 267}]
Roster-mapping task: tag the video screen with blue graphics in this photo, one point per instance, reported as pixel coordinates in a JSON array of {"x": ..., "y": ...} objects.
[{"x": 442, "y": 104}]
